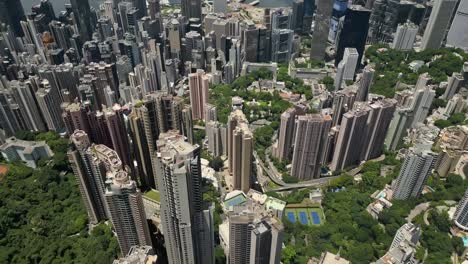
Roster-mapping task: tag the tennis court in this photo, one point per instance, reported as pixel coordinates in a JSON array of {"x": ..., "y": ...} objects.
[
  {"x": 305, "y": 215},
  {"x": 291, "y": 217},
  {"x": 315, "y": 218},
  {"x": 303, "y": 218}
]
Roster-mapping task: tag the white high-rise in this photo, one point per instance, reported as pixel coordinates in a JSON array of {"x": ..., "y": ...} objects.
[
  {"x": 405, "y": 36},
  {"x": 439, "y": 20},
  {"x": 458, "y": 33},
  {"x": 414, "y": 172},
  {"x": 350, "y": 59}
]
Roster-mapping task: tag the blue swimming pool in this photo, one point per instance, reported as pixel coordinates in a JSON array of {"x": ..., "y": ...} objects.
[{"x": 465, "y": 241}]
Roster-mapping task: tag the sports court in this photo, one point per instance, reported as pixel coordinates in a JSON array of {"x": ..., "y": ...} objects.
[{"x": 305, "y": 215}]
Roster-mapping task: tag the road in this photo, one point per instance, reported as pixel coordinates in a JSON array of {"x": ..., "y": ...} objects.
[
  {"x": 417, "y": 210},
  {"x": 290, "y": 186},
  {"x": 311, "y": 183}
]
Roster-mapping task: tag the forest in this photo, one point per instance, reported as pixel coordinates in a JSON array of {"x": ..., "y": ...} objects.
[{"x": 42, "y": 218}]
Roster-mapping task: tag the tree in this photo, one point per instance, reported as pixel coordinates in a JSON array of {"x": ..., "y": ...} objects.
[
  {"x": 458, "y": 245},
  {"x": 329, "y": 83},
  {"x": 216, "y": 163},
  {"x": 288, "y": 255},
  {"x": 220, "y": 258}
]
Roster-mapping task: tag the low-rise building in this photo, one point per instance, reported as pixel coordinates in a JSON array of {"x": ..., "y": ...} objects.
[
  {"x": 138, "y": 255},
  {"x": 28, "y": 151}
]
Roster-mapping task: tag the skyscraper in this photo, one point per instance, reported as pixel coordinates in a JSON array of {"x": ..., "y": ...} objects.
[
  {"x": 286, "y": 134},
  {"x": 414, "y": 172},
  {"x": 253, "y": 238},
  {"x": 144, "y": 132},
  {"x": 49, "y": 103},
  {"x": 184, "y": 223},
  {"x": 350, "y": 59},
  {"x": 297, "y": 16},
  {"x": 454, "y": 84},
  {"x": 309, "y": 145},
  {"x": 281, "y": 45},
  {"x": 380, "y": 116},
  {"x": 365, "y": 83},
  {"x": 439, "y": 20},
  {"x": 24, "y": 97},
  {"x": 458, "y": 33},
  {"x": 198, "y": 86},
  {"x": 422, "y": 102},
  {"x": 239, "y": 149},
  {"x": 405, "y": 36},
  {"x": 11, "y": 13},
  {"x": 118, "y": 133},
  {"x": 90, "y": 175},
  {"x": 461, "y": 214},
  {"x": 401, "y": 121},
  {"x": 347, "y": 150},
  {"x": 216, "y": 134},
  {"x": 82, "y": 15},
  {"x": 321, "y": 29},
  {"x": 352, "y": 32},
  {"x": 126, "y": 212},
  {"x": 192, "y": 9}
]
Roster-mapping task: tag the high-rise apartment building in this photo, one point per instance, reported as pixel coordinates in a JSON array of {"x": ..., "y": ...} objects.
[
  {"x": 365, "y": 83},
  {"x": 24, "y": 97},
  {"x": 342, "y": 103},
  {"x": 378, "y": 122},
  {"x": 187, "y": 227},
  {"x": 198, "y": 86},
  {"x": 216, "y": 134},
  {"x": 422, "y": 102},
  {"x": 399, "y": 125},
  {"x": 126, "y": 212},
  {"x": 408, "y": 116},
  {"x": 90, "y": 174},
  {"x": 405, "y": 36},
  {"x": 439, "y": 20},
  {"x": 118, "y": 134},
  {"x": 253, "y": 239},
  {"x": 455, "y": 82},
  {"x": 414, "y": 172},
  {"x": 352, "y": 32},
  {"x": 239, "y": 150},
  {"x": 144, "y": 132},
  {"x": 350, "y": 137},
  {"x": 49, "y": 103},
  {"x": 309, "y": 145},
  {"x": 461, "y": 214},
  {"x": 286, "y": 134},
  {"x": 321, "y": 29},
  {"x": 458, "y": 34}
]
